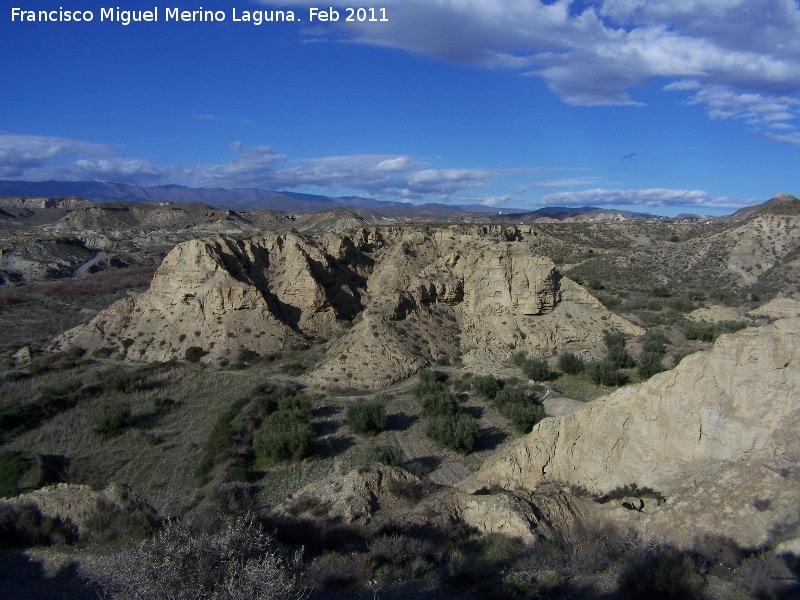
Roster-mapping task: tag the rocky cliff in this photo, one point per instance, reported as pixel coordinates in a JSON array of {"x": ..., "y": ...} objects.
[{"x": 394, "y": 300}]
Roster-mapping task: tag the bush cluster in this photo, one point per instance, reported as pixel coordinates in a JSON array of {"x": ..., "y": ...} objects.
[
  {"x": 653, "y": 352},
  {"x": 616, "y": 351},
  {"x": 486, "y": 386},
  {"x": 534, "y": 369},
  {"x": 708, "y": 332},
  {"x": 286, "y": 434},
  {"x": 458, "y": 432},
  {"x": 447, "y": 425},
  {"x": 514, "y": 404},
  {"x": 605, "y": 372}
]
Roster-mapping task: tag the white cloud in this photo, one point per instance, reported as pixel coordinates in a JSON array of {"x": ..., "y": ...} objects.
[
  {"x": 593, "y": 53},
  {"x": 387, "y": 176},
  {"x": 42, "y": 157}
]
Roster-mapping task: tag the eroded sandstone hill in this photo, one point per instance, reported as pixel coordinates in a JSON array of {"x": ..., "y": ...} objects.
[
  {"x": 394, "y": 300},
  {"x": 717, "y": 436}
]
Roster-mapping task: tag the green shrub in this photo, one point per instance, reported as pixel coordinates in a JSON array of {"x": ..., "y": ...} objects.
[
  {"x": 523, "y": 416},
  {"x": 110, "y": 419},
  {"x": 194, "y": 353},
  {"x": 571, "y": 363},
  {"x": 439, "y": 402},
  {"x": 519, "y": 358},
  {"x": 649, "y": 364},
  {"x": 391, "y": 456},
  {"x": 12, "y": 466},
  {"x": 537, "y": 369},
  {"x": 284, "y": 435},
  {"x": 458, "y": 432},
  {"x": 486, "y": 386},
  {"x": 616, "y": 352},
  {"x": 510, "y": 395},
  {"x": 429, "y": 381},
  {"x": 708, "y": 332},
  {"x": 366, "y": 417},
  {"x": 605, "y": 373}
]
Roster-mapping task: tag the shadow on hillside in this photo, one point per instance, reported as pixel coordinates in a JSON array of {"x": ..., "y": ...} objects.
[
  {"x": 491, "y": 438},
  {"x": 474, "y": 411},
  {"x": 400, "y": 421},
  {"x": 24, "y": 579},
  {"x": 332, "y": 446},
  {"x": 423, "y": 465}
]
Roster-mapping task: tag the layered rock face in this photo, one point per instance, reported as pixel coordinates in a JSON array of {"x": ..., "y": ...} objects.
[
  {"x": 395, "y": 300},
  {"x": 717, "y": 436}
]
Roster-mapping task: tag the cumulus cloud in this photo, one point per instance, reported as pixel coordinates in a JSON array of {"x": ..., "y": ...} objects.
[
  {"x": 42, "y": 157},
  {"x": 594, "y": 53},
  {"x": 380, "y": 175}
]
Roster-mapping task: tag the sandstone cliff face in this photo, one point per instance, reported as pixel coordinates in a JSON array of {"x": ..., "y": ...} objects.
[
  {"x": 716, "y": 435},
  {"x": 395, "y": 300}
]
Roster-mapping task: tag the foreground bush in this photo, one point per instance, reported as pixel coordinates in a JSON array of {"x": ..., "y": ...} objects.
[{"x": 238, "y": 562}]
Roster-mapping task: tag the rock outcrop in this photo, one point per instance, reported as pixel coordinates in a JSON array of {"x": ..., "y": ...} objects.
[
  {"x": 717, "y": 436},
  {"x": 88, "y": 509},
  {"x": 395, "y": 300}
]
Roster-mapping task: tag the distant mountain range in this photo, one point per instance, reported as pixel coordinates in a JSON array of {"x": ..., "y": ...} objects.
[{"x": 289, "y": 202}]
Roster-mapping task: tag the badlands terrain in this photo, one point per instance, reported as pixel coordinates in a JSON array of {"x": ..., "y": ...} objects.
[{"x": 351, "y": 404}]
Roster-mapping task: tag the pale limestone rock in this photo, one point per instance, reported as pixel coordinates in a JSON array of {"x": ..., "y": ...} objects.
[
  {"x": 394, "y": 300},
  {"x": 778, "y": 308},
  {"x": 715, "y": 314},
  {"x": 716, "y": 435}
]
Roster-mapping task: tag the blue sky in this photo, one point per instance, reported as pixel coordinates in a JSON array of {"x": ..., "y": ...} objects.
[{"x": 664, "y": 106}]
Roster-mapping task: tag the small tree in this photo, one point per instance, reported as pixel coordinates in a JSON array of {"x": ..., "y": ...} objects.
[
  {"x": 439, "y": 402},
  {"x": 111, "y": 419},
  {"x": 366, "y": 417}
]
